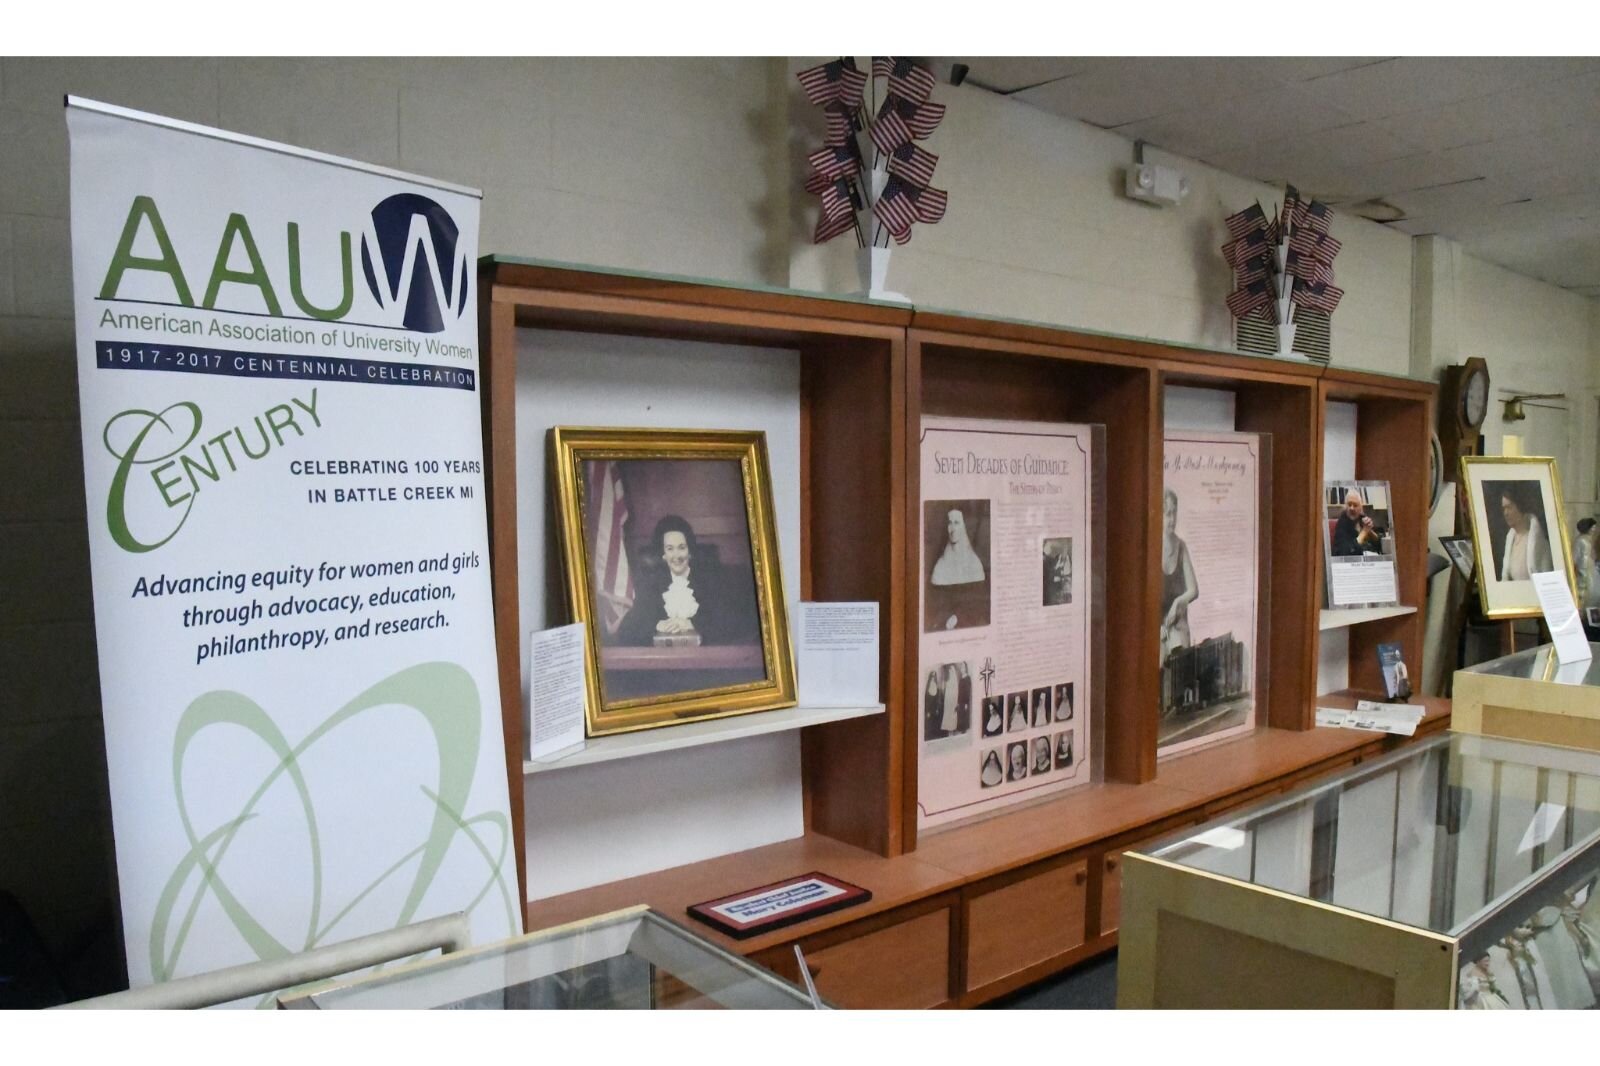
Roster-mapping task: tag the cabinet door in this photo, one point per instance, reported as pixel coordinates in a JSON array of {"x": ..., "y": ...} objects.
[
  {"x": 904, "y": 966},
  {"x": 1025, "y": 922}
]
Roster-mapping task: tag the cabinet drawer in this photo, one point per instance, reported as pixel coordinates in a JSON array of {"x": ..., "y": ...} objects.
[
  {"x": 905, "y": 966},
  {"x": 1024, "y": 923}
]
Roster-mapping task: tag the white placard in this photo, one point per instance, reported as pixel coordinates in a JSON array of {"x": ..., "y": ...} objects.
[
  {"x": 1399, "y": 718},
  {"x": 1333, "y": 717},
  {"x": 1561, "y": 616},
  {"x": 836, "y": 648},
  {"x": 283, "y": 462},
  {"x": 1363, "y": 581},
  {"x": 555, "y": 692},
  {"x": 805, "y": 893}
]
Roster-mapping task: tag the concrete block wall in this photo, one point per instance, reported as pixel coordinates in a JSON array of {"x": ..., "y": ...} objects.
[{"x": 684, "y": 166}]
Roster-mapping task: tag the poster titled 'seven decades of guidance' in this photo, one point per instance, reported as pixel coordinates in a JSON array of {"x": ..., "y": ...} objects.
[
  {"x": 1007, "y": 596},
  {"x": 283, "y": 459}
]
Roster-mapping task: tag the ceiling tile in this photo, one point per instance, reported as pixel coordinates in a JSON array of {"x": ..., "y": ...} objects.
[
  {"x": 1005, "y": 74},
  {"x": 1397, "y": 85},
  {"x": 1455, "y": 198},
  {"x": 1116, "y": 91},
  {"x": 1304, "y": 68},
  {"x": 1263, "y": 116},
  {"x": 1576, "y": 147},
  {"x": 1417, "y": 227},
  {"x": 1424, "y": 171},
  {"x": 1523, "y": 110}
]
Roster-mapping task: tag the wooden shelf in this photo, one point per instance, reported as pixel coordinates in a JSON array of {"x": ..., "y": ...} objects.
[
  {"x": 695, "y": 734},
  {"x": 1340, "y": 617},
  {"x": 892, "y": 882}
]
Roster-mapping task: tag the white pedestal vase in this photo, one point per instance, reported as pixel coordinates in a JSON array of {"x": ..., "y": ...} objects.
[{"x": 872, "y": 265}]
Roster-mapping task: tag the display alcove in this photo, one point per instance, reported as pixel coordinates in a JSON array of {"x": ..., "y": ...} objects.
[{"x": 959, "y": 914}]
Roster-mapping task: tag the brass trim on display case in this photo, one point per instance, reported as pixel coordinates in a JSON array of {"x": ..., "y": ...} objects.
[{"x": 1195, "y": 940}]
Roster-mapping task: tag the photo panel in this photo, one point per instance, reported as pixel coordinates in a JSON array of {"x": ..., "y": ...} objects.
[
  {"x": 1011, "y": 553},
  {"x": 1519, "y": 528},
  {"x": 671, "y": 563},
  {"x": 1358, "y": 541}
]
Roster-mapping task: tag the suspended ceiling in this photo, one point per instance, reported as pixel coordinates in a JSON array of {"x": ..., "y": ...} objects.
[{"x": 1499, "y": 154}]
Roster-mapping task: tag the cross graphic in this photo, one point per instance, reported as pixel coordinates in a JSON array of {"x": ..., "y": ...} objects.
[{"x": 987, "y": 673}]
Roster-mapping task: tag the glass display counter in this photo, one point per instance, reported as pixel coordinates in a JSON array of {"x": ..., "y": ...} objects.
[
  {"x": 1528, "y": 695},
  {"x": 1459, "y": 871},
  {"x": 631, "y": 960}
]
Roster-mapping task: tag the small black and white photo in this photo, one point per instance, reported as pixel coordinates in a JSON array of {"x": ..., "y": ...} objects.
[
  {"x": 1016, "y": 712},
  {"x": 994, "y": 715},
  {"x": 1057, "y": 571},
  {"x": 1041, "y": 755},
  {"x": 990, "y": 772},
  {"x": 947, "y": 702},
  {"x": 1064, "y": 702},
  {"x": 1041, "y": 706},
  {"x": 1064, "y": 750},
  {"x": 1017, "y": 760},
  {"x": 955, "y": 553}
]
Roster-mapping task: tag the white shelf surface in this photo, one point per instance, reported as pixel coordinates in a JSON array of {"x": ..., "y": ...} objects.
[
  {"x": 694, "y": 734},
  {"x": 1338, "y": 618}
]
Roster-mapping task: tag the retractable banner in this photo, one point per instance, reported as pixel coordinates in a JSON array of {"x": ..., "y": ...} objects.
[{"x": 283, "y": 460}]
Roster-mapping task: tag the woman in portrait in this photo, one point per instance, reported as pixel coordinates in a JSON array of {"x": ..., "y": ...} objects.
[
  {"x": 957, "y": 592},
  {"x": 1041, "y": 706},
  {"x": 1178, "y": 585},
  {"x": 1041, "y": 755},
  {"x": 687, "y": 597},
  {"x": 958, "y": 564},
  {"x": 1527, "y": 547},
  {"x": 1064, "y": 702},
  {"x": 1017, "y": 716},
  {"x": 1063, "y": 750},
  {"x": 991, "y": 774},
  {"x": 993, "y": 716},
  {"x": 1017, "y": 760}
]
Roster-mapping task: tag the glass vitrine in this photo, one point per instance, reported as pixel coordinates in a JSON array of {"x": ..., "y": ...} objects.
[
  {"x": 1457, "y": 871},
  {"x": 631, "y": 960}
]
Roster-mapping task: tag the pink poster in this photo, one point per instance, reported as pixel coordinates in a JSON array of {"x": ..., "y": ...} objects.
[
  {"x": 1006, "y": 601},
  {"x": 1210, "y": 584}
]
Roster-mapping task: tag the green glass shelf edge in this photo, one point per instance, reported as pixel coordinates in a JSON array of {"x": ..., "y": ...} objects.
[
  {"x": 862, "y": 301},
  {"x": 689, "y": 279}
]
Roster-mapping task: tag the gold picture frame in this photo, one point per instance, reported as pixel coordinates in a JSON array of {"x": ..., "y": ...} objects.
[
  {"x": 1536, "y": 480},
  {"x": 660, "y": 530}
]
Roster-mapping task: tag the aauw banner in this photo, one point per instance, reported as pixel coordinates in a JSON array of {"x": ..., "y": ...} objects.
[{"x": 283, "y": 457}]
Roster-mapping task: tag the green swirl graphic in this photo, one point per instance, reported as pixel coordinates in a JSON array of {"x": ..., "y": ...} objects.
[{"x": 446, "y": 698}]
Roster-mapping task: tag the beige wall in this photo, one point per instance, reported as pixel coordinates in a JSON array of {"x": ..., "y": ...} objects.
[{"x": 686, "y": 166}]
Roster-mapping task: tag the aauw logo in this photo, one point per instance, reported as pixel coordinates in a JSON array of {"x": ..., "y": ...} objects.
[
  {"x": 401, "y": 225},
  {"x": 414, "y": 261}
]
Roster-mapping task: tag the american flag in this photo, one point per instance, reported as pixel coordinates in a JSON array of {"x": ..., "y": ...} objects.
[
  {"x": 842, "y": 124},
  {"x": 613, "y": 580},
  {"x": 913, "y": 162},
  {"x": 829, "y": 228},
  {"x": 834, "y": 163},
  {"x": 895, "y": 208},
  {"x": 922, "y": 119},
  {"x": 1253, "y": 270},
  {"x": 1316, "y": 297},
  {"x": 838, "y": 198},
  {"x": 1248, "y": 298},
  {"x": 1315, "y": 216},
  {"x": 929, "y": 204},
  {"x": 1242, "y": 223},
  {"x": 1289, "y": 217},
  {"x": 905, "y": 77},
  {"x": 1308, "y": 268},
  {"x": 835, "y": 82},
  {"x": 1308, "y": 242},
  {"x": 1246, "y": 247},
  {"x": 890, "y": 131}
]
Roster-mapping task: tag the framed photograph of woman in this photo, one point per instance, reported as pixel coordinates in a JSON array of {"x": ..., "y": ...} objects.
[
  {"x": 670, "y": 559},
  {"x": 1519, "y": 529},
  {"x": 956, "y": 551}
]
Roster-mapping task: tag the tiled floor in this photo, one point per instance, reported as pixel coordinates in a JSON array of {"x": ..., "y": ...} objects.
[{"x": 1091, "y": 986}]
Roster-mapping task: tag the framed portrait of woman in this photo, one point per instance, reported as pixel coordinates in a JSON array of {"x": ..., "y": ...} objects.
[
  {"x": 670, "y": 558},
  {"x": 1519, "y": 528}
]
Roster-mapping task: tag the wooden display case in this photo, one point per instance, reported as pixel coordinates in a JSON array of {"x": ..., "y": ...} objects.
[{"x": 868, "y": 373}]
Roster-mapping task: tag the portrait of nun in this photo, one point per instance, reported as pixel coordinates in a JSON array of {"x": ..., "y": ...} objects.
[
  {"x": 1041, "y": 755},
  {"x": 992, "y": 773},
  {"x": 956, "y": 561},
  {"x": 948, "y": 703},
  {"x": 1063, "y": 750}
]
